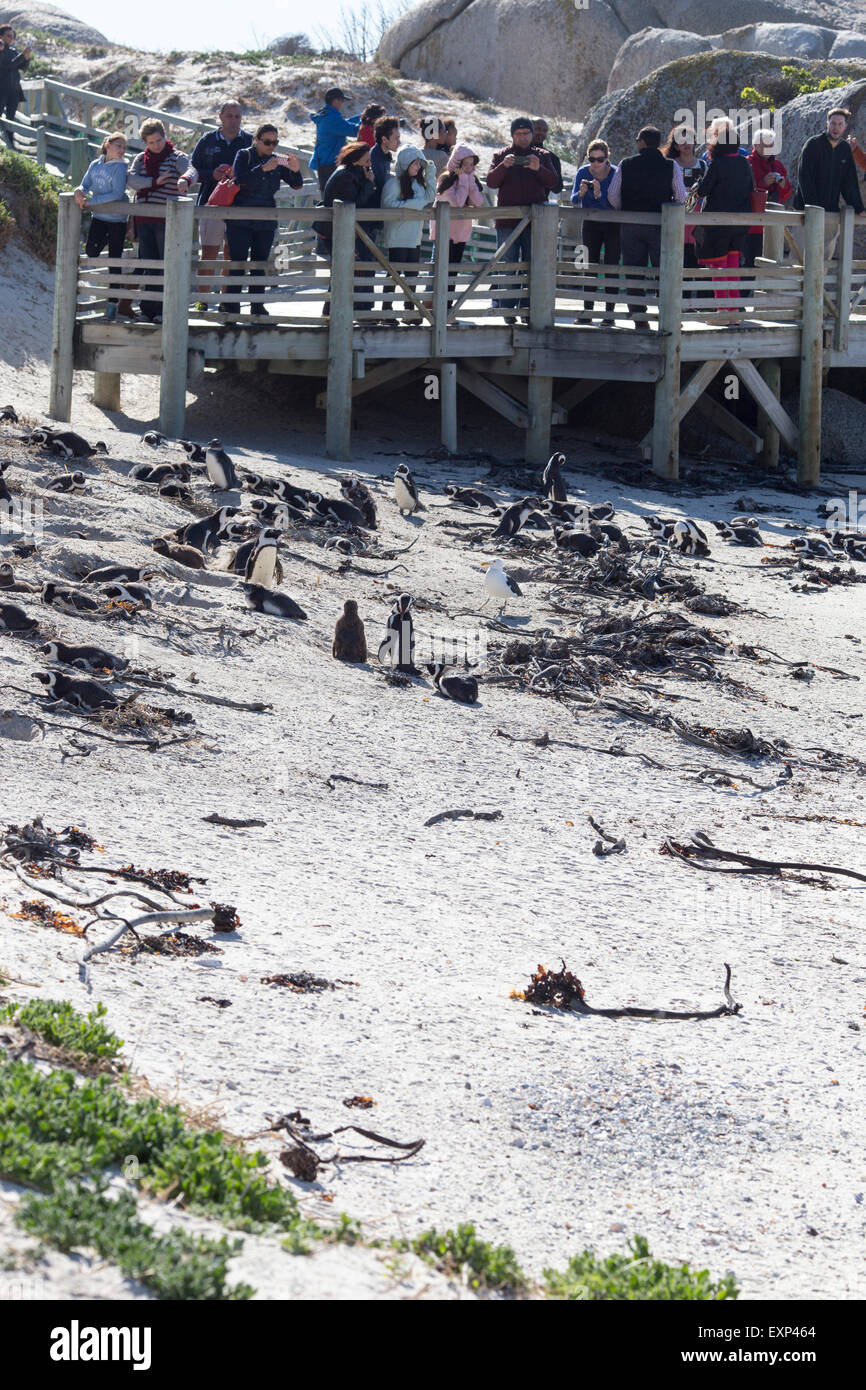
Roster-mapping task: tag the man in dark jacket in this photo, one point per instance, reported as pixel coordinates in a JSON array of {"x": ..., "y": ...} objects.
[
  {"x": 539, "y": 135},
  {"x": 827, "y": 172},
  {"x": 12, "y": 63},
  {"x": 644, "y": 182},
  {"x": 521, "y": 173},
  {"x": 212, "y": 158}
]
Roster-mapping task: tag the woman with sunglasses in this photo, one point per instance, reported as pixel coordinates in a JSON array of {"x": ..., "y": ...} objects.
[
  {"x": 258, "y": 172},
  {"x": 105, "y": 182},
  {"x": 681, "y": 149},
  {"x": 601, "y": 239}
]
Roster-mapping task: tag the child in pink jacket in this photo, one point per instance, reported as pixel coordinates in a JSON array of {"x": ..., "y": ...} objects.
[{"x": 458, "y": 186}]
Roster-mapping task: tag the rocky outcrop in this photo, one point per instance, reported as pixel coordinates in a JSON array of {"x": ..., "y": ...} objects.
[
  {"x": 715, "y": 79},
  {"x": 807, "y": 115},
  {"x": 556, "y": 55},
  {"x": 25, "y": 18},
  {"x": 843, "y": 424},
  {"x": 649, "y": 49}
]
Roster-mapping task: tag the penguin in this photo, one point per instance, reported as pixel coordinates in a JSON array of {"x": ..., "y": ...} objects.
[
  {"x": 67, "y": 482},
  {"x": 603, "y": 511},
  {"x": 71, "y": 445},
  {"x": 14, "y": 619},
  {"x": 107, "y": 574},
  {"x": 257, "y": 483},
  {"x": 298, "y": 497},
  {"x": 263, "y": 568},
  {"x": 689, "y": 538},
  {"x": 195, "y": 452},
  {"x": 336, "y": 509},
  {"x": 135, "y": 594},
  {"x": 738, "y": 535},
  {"x": 854, "y": 549},
  {"x": 277, "y": 513},
  {"x": 165, "y": 472},
  {"x": 141, "y": 472},
  {"x": 813, "y": 548},
  {"x": 202, "y": 534},
  {"x": 68, "y": 600},
  {"x": 406, "y": 491},
  {"x": 5, "y": 494},
  {"x": 744, "y": 521},
  {"x": 175, "y": 492},
  {"x": 514, "y": 517},
  {"x": 576, "y": 541},
  {"x": 16, "y": 586},
  {"x": 88, "y": 658},
  {"x": 84, "y": 695},
  {"x": 462, "y": 689},
  {"x": 551, "y": 479},
  {"x": 398, "y": 647},
  {"x": 660, "y": 528},
  {"x": 469, "y": 497},
  {"x": 360, "y": 496},
  {"x": 8, "y": 412},
  {"x": 154, "y": 439},
  {"x": 276, "y": 605},
  {"x": 836, "y": 538},
  {"x": 341, "y": 543},
  {"x": 182, "y": 554},
  {"x": 568, "y": 513},
  {"x": 612, "y": 533},
  {"x": 498, "y": 584},
  {"x": 220, "y": 468},
  {"x": 350, "y": 640}
]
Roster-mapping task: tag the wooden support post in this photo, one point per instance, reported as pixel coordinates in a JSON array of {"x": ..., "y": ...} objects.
[
  {"x": 542, "y": 314},
  {"x": 439, "y": 331},
  {"x": 41, "y": 144},
  {"x": 666, "y": 428},
  {"x": 843, "y": 280},
  {"x": 811, "y": 349},
  {"x": 175, "y": 315},
  {"x": 752, "y": 379},
  {"x": 106, "y": 390},
  {"x": 448, "y": 399},
  {"x": 65, "y": 297},
  {"x": 79, "y": 160},
  {"x": 338, "y": 430},
  {"x": 771, "y": 372}
]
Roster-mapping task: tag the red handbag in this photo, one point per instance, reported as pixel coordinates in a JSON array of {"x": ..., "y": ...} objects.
[
  {"x": 225, "y": 193},
  {"x": 758, "y": 199}
]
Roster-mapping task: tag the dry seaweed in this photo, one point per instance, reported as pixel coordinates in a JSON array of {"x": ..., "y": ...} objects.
[
  {"x": 560, "y": 989},
  {"x": 32, "y": 910}
]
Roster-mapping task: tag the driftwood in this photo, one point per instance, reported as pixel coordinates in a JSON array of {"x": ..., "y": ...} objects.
[
  {"x": 614, "y": 845},
  {"x": 339, "y": 777},
  {"x": 701, "y": 847},
  {"x": 216, "y": 819},
  {"x": 463, "y": 815},
  {"x": 560, "y": 989},
  {"x": 254, "y": 707},
  {"x": 201, "y": 914},
  {"x": 304, "y": 1162}
]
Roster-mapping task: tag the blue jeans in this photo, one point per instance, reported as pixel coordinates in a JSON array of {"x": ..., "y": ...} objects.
[
  {"x": 151, "y": 247},
  {"x": 248, "y": 241},
  {"x": 519, "y": 250}
]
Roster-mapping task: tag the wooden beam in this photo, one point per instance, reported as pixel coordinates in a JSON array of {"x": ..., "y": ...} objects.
[
  {"x": 338, "y": 428},
  {"x": 65, "y": 296},
  {"x": 106, "y": 390},
  {"x": 573, "y": 395},
  {"x": 751, "y": 378},
  {"x": 448, "y": 404},
  {"x": 439, "y": 334},
  {"x": 728, "y": 423},
  {"x": 542, "y": 312},
  {"x": 843, "y": 280},
  {"x": 812, "y": 349},
  {"x": 689, "y": 395},
  {"x": 493, "y": 396},
  {"x": 388, "y": 371},
  {"x": 175, "y": 315},
  {"x": 518, "y": 386},
  {"x": 771, "y": 373},
  {"x": 666, "y": 429}
]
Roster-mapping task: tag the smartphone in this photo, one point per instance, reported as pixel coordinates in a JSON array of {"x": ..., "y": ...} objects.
[{"x": 522, "y": 158}]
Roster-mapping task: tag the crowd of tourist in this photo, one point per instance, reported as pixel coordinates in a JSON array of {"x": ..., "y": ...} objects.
[{"x": 360, "y": 159}]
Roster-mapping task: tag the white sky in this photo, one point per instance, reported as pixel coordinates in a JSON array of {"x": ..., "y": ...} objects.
[{"x": 204, "y": 24}]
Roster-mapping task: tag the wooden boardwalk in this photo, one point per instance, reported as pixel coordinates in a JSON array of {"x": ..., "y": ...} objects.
[{"x": 532, "y": 372}]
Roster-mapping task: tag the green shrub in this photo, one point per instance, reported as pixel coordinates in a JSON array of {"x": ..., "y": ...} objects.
[
  {"x": 793, "y": 82},
  {"x": 30, "y": 193},
  {"x": 59, "y": 1023},
  {"x": 489, "y": 1267},
  {"x": 138, "y": 91},
  {"x": 7, "y": 227},
  {"x": 635, "y": 1276},
  {"x": 177, "y": 1266}
]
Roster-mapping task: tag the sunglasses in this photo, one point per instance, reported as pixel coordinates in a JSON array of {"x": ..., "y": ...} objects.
[
  {"x": 269, "y": 143},
  {"x": 598, "y": 159}
]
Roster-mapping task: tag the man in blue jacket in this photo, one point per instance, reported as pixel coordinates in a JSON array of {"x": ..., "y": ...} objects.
[{"x": 333, "y": 129}]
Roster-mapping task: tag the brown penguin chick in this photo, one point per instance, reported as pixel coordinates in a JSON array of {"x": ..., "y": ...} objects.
[
  {"x": 19, "y": 586},
  {"x": 350, "y": 642},
  {"x": 183, "y": 554}
]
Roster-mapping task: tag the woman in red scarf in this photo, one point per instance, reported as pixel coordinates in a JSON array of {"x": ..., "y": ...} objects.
[{"x": 158, "y": 173}]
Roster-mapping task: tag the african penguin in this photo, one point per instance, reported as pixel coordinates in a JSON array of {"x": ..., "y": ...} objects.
[
  {"x": 84, "y": 695},
  {"x": 257, "y": 483},
  {"x": 8, "y": 412},
  {"x": 106, "y": 574},
  {"x": 88, "y": 658},
  {"x": 67, "y": 482},
  {"x": 13, "y": 585},
  {"x": 360, "y": 495},
  {"x": 576, "y": 541},
  {"x": 68, "y": 600},
  {"x": 406, "y": 491},
  {"x": 277, "y": 513},
  {"x": 220, "y": 468},
  {"x": 551, "y": 479},
  {"x": 350, "y": 640},
  {"x": 294, "y": 495},
  {"x": 738, "y": 535},
  {"x": 202, "y": 534},
  {"x": 175, "y": 491},
  {"x": 71, "y": 445},
  {"x": 182, "y": 554},
  {"x": 262, "y": 563},
  {"x": 602, "y": 512},
  {"x": 336, "y": 509},
  {"x": 195, "y": 452},
  {"x": 14, "y": 619},
  {"x": 813, "y": 547},
  {"x": 462, "y": 689},
  {"x": 134, "y": 594},
  {"x": 154, "y": 438},
  {"x": 514, "y": 517},
  {"x": 398, "y": 646},
  {"x": 276, "y": 605},
  {"x": 469, "y": 497}
]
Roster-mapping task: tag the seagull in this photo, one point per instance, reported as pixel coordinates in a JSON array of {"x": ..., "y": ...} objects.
[{"x": 498, "y": 584}]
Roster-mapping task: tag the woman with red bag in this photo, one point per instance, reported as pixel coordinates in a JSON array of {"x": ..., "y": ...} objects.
[
  {"x": 258, "y": 173},
  {"x": 158, "y": 173},
  {"x": 771, "y": 176},
  {"x": 727, "y": 186}
]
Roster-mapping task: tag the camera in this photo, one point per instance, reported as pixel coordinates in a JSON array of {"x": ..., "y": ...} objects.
[{"x": 522, "y": 158}]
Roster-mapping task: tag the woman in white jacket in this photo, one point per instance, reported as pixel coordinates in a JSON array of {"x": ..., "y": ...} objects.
[{"x": 412, "y": 185}]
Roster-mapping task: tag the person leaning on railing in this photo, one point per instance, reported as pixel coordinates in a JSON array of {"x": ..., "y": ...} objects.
[
  {"x": 412, "y": 185},
  {"x": 105, "y": 182},
  {"x": 591, "y": 183},
  {"x": 258, "y": 172},
  {"x": 351, "y": 182},
  {"x": 520, "y": 174},
  {"x": 727, "y": 186},
  {"x": 771, "y": 175},
  {"x": 158, "y": 174},
  {"x": 212, "y": 159},
  {"x": 681, "y": 149},
  {"x": 12, "y": 64},
  {"x": 461, "y": 187}
]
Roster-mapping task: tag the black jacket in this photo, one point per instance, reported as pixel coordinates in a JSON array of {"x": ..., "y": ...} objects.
[
  {"x": 647, "y": 181},
  {"x": 349, "y": 184},
  {"x": 257, "y": 186},
  {"x": 12, "y": 63},
  {"x": 826, "y": 173},
  {"x": 726, "y": 187}
]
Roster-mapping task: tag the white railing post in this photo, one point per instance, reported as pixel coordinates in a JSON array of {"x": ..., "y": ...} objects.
[
  {"x": 542, "y": 314},
  {"x": 843, "y": 280},
  {"x": 175, "y": 314},
  {"x": 440, "y": 280},
  {"x": 666, "y": 428},
  {"x": 65, "y": 305},
  {"x": 338, "y": 428},
  {"x": 811, "y": 348}
]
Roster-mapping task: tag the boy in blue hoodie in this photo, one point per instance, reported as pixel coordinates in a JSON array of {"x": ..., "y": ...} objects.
[{"x": 333, "y": 130}]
